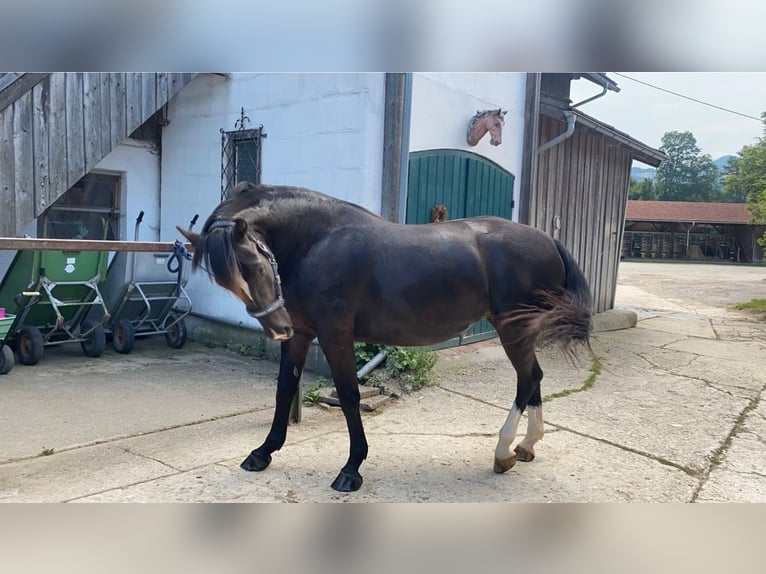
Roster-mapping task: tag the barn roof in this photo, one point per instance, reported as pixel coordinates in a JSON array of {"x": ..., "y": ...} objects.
[{"x": 688, "y": 211}]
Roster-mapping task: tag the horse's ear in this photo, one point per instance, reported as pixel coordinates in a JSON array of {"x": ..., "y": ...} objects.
[
  {"x": 190, "y": 236},
  {"x": 240, "y": 229}
]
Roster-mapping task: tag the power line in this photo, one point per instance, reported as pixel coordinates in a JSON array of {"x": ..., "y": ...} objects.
[{"x": 690, "y": 98}]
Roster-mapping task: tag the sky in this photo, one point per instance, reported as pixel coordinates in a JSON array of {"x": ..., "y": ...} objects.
[{"x": 646, "y": 113}]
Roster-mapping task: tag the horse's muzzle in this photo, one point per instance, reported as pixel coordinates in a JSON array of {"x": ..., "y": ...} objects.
[
  {"x": 278, "y": 334},
  {"x": 283, "y": 336}
]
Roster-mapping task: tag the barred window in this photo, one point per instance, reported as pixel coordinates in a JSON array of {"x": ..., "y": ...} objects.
[
  {"x": 89, "y": 210},
  {"x": 240, "y": 158}
]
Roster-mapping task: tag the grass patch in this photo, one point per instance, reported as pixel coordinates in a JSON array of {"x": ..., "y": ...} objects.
[
  {"x": 595, "y": 371},
  {"x": 410, "y": 367},
  {"x": 47, "y": 451},
  {"x": 311, "y": 396},
  {"x": 758, "y": 304},
  {"x": 257, "y": 350}
]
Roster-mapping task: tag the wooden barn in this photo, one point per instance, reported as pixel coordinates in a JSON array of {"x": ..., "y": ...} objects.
[
  {"x": 699, "y": 231},
  {"x": 578, "y": 175}
]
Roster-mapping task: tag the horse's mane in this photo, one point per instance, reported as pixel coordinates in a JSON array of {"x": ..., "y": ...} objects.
[
  {"x": 215, "y": 254},
  {"x": 215, "y": 250}
]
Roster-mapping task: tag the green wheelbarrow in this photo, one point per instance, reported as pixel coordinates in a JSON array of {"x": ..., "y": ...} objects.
[{"x": 51, "y": 293}]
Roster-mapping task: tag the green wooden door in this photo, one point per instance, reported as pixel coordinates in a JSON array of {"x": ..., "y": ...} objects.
[{"x": 467, "y": 185}]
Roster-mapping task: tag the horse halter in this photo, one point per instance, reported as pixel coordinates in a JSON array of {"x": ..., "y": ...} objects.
[{"x": 266, "y": 252}]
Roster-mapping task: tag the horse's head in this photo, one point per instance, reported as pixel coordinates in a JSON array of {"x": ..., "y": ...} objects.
[
  {"x": 240, "y": 261},
  {"x": 495, "y": 123}
]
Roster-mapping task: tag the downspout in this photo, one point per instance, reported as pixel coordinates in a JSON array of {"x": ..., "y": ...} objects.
[
  {"x": 404, "y": 160},
  {"x": 597, "y": 96},
  {"x": 571, "y": 118}
]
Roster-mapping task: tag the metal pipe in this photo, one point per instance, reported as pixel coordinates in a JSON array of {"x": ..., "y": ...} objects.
[
  {"x": 571, "y": 120},
  {"x": 597, "y": 96},
  {"x": 371, "y": 364}
]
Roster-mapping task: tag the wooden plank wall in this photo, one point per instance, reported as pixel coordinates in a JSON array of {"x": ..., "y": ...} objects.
[
  {"x": 56, "y": 132},
  {"x": 584, "y": 180}
]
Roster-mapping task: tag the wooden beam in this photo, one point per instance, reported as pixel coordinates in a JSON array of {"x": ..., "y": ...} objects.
[
  {"x": 42, "y": 244},
  {"x": 21, "y": 85}
]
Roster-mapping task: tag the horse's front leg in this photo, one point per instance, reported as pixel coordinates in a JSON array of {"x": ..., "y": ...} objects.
[
  {"x": 291, "y": 363},
  {"x": 339, "y": 352}
]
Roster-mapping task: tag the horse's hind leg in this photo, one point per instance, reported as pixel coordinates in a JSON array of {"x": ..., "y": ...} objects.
[
  {"x": 521, "y": 352},
  {"x": 525, "y": 450},
  {"x": 293, "y": 357}
]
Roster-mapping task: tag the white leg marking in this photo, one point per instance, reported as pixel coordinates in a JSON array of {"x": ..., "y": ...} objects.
[
  {"x": 534, "y": 428},
  {"x": 508, "y": 433}
]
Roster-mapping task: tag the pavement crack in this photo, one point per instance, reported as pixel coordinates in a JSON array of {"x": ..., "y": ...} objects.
[
  {"x": 712, "y": 327},
  {"x": 118, "y": 438},
  {"x": 451, "y": 435},
  {"x": 472, "y": 398},
  {"x": 706, "y": 382},
  {"x": 595, "y": 371},
  {"x": 720, "y": 452},
  {"x": 646, "y": 454},
  {"x": 146, "y": 456},
  {"x": 121, "y": 487},
  {"x": 751, "y": 472},
  {"x": 664, "y": 346}
]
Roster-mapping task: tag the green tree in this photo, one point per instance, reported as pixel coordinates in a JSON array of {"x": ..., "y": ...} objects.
[
  {"x": 687, "y": 174},
  {"x": 747, "y": 176},
  {"x": 642, "y": 189},
  {"x": 733, "y": 190}
]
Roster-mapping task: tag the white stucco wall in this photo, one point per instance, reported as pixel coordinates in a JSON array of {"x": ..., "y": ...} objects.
[
  {"x": 324, "y": 132},
  {"x": 138, "y": 165},
  {"x": 444, "y": 103}
]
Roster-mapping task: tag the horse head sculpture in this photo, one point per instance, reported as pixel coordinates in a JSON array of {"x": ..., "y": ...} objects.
[{"x": 491, "y": 121}]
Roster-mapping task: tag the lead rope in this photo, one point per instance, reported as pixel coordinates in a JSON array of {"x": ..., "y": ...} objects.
[{"x": 179, "y": 254}]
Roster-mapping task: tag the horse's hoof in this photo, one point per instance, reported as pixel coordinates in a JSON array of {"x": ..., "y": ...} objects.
[
  {"x": 255, "y": 462},
  {"x": 347, "y": 481},
  {"x": 505, "y": 464},
  {"x": 523, "y": 454}
]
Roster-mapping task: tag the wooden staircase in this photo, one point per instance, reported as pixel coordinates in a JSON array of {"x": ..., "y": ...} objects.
[{"x": 55, "y": 128}]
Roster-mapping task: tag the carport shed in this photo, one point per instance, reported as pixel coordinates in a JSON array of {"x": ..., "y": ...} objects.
[{"x": 691, "y": 230}]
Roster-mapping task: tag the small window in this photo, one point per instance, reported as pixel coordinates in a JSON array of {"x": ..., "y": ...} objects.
[
  {"x": 88, "y": 210},
  {"x": 240, "y": 158}
]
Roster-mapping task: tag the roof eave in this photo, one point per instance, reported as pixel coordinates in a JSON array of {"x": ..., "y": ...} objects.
[{"x": 639, "y": 150}]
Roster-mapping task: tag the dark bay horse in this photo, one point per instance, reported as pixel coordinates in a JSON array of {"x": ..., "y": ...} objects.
[{"x": 308, "y": 265}]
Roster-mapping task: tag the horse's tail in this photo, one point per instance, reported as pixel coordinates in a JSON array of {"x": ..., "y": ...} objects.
[{"x": 562, "y": 316}]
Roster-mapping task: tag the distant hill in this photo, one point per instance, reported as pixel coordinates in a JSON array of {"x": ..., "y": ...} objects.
[
  {"x": 640, "y": 173},
  {"x": 722, "y": 161}
]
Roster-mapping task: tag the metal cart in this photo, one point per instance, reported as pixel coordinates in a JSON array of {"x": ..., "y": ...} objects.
[
  {"x": 51, "y": 294},
  {"x": 145, "y": 295}
]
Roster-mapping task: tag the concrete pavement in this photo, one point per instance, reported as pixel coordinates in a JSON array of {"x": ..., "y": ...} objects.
[{"x": 675, "y": 414}]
